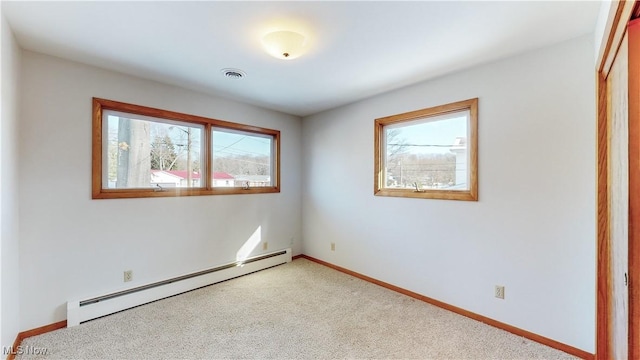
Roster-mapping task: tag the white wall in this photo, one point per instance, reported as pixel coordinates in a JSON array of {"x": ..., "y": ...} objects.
[
  {"x": 72, "y": 247},
  {"x": 601, "y": 25},
  {"x": 533, "y": 229},
  {"x": 9, "y": 245}
]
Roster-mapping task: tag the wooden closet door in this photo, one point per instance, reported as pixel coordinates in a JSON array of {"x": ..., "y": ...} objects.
[{"x": 618, "y": 114}]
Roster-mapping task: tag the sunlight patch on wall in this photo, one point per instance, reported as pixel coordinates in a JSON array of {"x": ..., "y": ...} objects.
[{"x": 249, "y": 245}]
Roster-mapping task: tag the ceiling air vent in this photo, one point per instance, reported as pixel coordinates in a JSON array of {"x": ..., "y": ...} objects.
[{"x": 235, "y": 74}]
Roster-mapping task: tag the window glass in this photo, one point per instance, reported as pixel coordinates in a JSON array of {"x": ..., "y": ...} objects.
[
  {"x": 430, "y": 153},
  {"x": 241, "y": 159},
  {"x": 145, "y": 152}
]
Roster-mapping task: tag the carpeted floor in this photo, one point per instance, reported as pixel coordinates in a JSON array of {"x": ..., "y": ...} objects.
[{"x": 299, "y": 310}]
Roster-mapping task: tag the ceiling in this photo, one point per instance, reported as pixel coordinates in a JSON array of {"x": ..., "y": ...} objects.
[{"x": 354, "y": 50}]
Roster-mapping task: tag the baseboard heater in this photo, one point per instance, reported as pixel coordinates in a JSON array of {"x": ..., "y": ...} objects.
[{"x": 79, "y": 311}]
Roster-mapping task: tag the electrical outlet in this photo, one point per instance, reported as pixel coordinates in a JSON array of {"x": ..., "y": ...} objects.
[
  {"x": 265, "y": 245},
  {"x": 333, "y": 246},
  {"x": 499, "y": 292},
  {"x": 128, "y": 275}
]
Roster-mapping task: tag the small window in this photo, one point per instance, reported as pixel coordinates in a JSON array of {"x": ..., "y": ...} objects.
[
  {"x": 146, "y": 152},
  {"x": 429, "y": 153}
]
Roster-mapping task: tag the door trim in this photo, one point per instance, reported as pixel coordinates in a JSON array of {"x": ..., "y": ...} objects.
[{"x": 634, "y": 187}]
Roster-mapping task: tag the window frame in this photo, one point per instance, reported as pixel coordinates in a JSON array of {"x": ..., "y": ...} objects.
[
  {"x": 98, "y": 192},
  {"x": 471, "y": 194}
]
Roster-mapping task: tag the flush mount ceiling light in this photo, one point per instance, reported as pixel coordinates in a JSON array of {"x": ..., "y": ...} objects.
[
  {"x": 284, "y": 44},
  {"x": 235, "y": 74}
]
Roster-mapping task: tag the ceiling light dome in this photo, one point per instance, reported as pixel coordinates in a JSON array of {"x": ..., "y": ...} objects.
[{"x": 284, "y": 44}]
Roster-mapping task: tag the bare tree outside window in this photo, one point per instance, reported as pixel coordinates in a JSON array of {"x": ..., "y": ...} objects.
[{"x": 163, "y": 153}]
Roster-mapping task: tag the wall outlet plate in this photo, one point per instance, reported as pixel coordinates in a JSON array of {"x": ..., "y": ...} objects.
[
  {"x": 333, "y": 246},
  {"x": 128, "y": 275},
  {"x": 265, "y": 245},
  {"x": 499, "y": 292}
]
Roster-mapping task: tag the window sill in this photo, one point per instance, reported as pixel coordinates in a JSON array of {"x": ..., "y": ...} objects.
[
  {"x": 465, "y": 195},
  {"x": 148, "y": 193}
]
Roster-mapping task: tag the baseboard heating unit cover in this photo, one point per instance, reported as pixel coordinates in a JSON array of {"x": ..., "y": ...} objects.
[{"x": 79, "y": 311}]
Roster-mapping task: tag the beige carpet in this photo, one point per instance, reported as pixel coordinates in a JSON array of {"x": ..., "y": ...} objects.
[{"x": 299, "y": 310}]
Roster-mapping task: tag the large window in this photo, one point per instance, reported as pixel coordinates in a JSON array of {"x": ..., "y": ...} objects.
[
  {"x": 429, "y": 153},
  {"x": 146, "y": 152}
]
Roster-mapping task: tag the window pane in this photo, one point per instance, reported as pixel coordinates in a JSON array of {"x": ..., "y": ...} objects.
[
  {"x": 428, "y": 153},
  {"x": 146, "y": 152},
  {"x": 241, "y": 159}
]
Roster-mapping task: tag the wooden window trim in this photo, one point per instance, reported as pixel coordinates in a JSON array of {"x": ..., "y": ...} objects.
[
  {"x": 468, "y": 195},
  {"x": 98, "y": 192}
]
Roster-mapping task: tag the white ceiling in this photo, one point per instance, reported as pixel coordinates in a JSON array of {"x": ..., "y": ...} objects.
[{"x": 355, "y": 50}]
